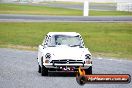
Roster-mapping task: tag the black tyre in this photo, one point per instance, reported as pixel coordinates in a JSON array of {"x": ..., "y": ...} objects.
[
  {"x": 89, "y": 70},
  {"x": 44, "y": 70},
  {"x": 39, "y": 68}
]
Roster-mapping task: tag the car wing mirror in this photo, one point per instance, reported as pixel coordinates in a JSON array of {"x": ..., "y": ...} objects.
[{"x": 44, "y": 46}]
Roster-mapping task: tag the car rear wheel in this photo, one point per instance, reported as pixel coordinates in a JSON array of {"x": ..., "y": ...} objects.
[
  {"x": 89, "y": 70},
  {"x": 39, "y": 68}
]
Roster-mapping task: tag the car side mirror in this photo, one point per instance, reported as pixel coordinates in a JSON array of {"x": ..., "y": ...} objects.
[
  {"x": 42, "y": 46},
  {"x": 45, "y": 45}
]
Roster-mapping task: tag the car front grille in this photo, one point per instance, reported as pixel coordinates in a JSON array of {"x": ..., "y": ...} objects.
[{"x": 67, "y": 61}]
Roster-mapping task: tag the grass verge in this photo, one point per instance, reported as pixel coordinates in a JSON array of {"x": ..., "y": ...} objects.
[
  {"x": 104, "y": 39},
  {"x": 44, "y": 10},
  {"x": 37, "y": 10}
]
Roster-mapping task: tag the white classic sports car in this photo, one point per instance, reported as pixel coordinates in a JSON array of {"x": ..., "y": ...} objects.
[{"x": 65, "y": 52}]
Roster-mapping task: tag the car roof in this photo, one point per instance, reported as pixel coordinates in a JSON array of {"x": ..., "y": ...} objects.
[{"x": 63, "y": 33}]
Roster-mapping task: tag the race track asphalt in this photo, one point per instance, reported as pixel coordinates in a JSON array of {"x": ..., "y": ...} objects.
[
  {"x": 42, "y": 18},
  {"x": 18, "y": 69}
]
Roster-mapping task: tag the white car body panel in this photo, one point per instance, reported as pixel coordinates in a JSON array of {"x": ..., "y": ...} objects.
[{"x": 66, "y": 52}]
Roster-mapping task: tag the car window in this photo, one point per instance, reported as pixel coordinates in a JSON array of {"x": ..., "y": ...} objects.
[{"x": 68, "y": 40}]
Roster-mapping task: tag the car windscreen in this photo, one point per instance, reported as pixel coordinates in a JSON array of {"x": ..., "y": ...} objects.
[{"x": 66, "y": 40}]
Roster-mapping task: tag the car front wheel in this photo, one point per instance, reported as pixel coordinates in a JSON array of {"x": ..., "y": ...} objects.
[
  {"x": 89, "y": 70},
  {"x": 44, "y": 70}
]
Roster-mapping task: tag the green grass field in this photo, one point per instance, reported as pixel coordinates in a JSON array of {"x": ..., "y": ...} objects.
[
  {"x": 43, "y": 10},
  {"x": 39, "y": 10},
  {"x": 104, "y": 39}
]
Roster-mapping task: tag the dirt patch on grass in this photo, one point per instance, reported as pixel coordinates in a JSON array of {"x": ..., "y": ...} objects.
[{"x": 20, "y": 47}]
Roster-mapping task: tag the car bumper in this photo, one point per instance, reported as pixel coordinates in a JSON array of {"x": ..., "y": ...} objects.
[{"x": 57, "y": 66}]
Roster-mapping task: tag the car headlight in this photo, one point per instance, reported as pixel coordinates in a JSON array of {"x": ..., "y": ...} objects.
[
  {"x": 87, "y": 56},
  {"x": 88, "y": 59},
  {"x": 47, "y": 57}
]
